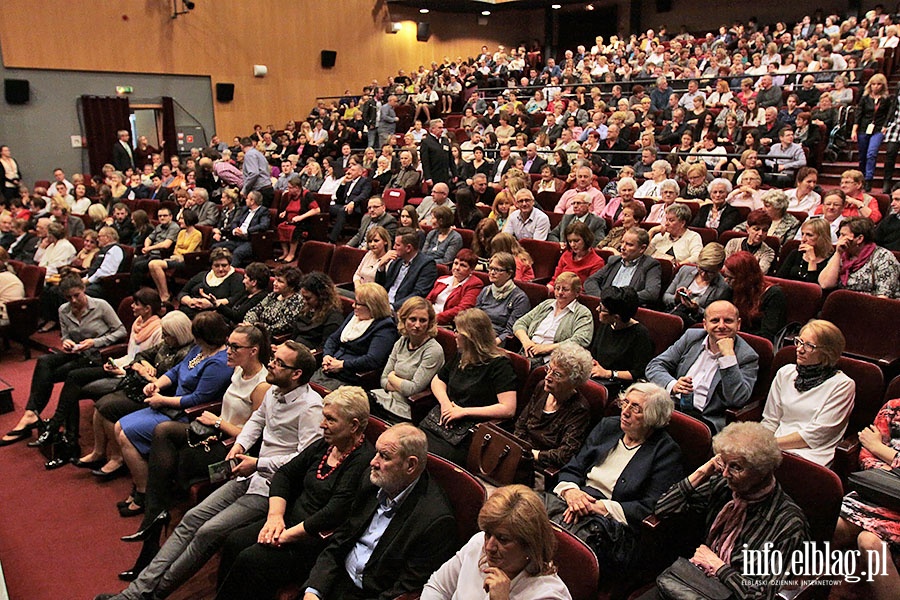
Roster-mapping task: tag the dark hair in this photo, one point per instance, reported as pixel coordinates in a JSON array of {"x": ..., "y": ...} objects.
[
  {"x": 410, "y": 210},
  {"x": 465, "y": 206},
  {"x": 70, "y": 282},
  {"x": 620, "y": 301},
  {"x": 258, "y": 337},
  {"x": 190, "y": 217},
  {"x": 578, "y": 228},
  {"x": 488, "y": 228},
  {"x": 467, "y": 256},
  {"x": 306, "y": 362},
  {"x": 860, "y": 226},
  {"x": 408, "y": 236},
  {"x": 211, "y": 328},
  {"x": 259, "y": 273},
  {"x": 322, "y": 287},
  {"x": 148, "y": 297},
  {"x": 292, "y": 276},
  {"x": 760, "y": 218}
]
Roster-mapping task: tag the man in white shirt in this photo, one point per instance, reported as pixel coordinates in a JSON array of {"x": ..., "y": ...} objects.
[{"x": 527, "y": 222}]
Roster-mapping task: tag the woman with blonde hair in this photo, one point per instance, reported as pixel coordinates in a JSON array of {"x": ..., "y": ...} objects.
[
  {"x": 806, "y": 262},
  {"x": 511, "y": 557},
  {"x": 506, "y": 242},
  {"x": 870, "y": 118}
]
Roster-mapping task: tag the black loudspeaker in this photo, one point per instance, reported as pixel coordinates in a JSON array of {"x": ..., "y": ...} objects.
[
  {"x": 328, "y": 58},
  {"x": 663, "y": 6},
  {"x": 16, "y": 91},
  {"x": 423, "y": 32},
  {"x": 224, "y": 92}
]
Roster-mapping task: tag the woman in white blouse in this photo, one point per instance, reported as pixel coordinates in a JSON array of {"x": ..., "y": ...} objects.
[
  {"x": 809, "y": 403},
  {"x": 56, "y": 250},
  {"x": 804, "y": 197},
  {"x": 673, "y": 240},
  {"x": 748, "y": 192},
  {"x": 659, "y": 171},
  {"x": 378, "y": 242}
]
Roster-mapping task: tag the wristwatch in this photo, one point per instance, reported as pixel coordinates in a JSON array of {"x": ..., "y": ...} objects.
[
  {"x": 218, "y": 423},
  {"x": 615, "y": 374}
]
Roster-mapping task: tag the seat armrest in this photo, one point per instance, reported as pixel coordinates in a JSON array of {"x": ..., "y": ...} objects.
[
  {"x": 114, "y": 351},
  {"x": 748, "y": 412},
  {"x": 420, "y": 404},
  {"x": 195, "y": 411}
]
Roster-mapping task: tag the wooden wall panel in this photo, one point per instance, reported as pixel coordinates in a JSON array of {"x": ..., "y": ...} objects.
[{"x": 225, "y": 38}]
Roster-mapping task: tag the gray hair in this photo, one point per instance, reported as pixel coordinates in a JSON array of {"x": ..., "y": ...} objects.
[
  {"x": 625, "y": 180},
  {"x": 574, "y": 360},
  {"x": 178, "y": 325},
  {"x": 777, "y": 198},
  {"x": 658, "y": 404},
  {"x": 669, "y": 184},
  {"x": 412, "y": 442},
  {"x": 721, "y": 181},
  {"x": 201, "y": 193},
  {"x": 680, "y": 211},
  {"x": 751, "y": 441},
  {"x": 663, "y": 165},
  {"x": 352, "y": 402}
]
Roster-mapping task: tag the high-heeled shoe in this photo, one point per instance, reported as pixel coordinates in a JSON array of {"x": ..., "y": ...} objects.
[
  {"x": 49, "y": 435},
  {"x": 18, "y": 435},
  {"x": 155, "y": 526},
  {"x": 148, "y": 551}
]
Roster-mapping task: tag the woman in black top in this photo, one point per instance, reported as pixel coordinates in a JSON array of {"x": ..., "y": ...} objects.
[
  {"x": 868, "y": 128},
  {"x": 805, "y": 263},
  {"x": 321, "y": 314},
  {"x": 256, "y": 288},
  {"x": 219, "y": 286},
  {"x": 309, "y": 497},
  {"x": 621, "y": 346}
]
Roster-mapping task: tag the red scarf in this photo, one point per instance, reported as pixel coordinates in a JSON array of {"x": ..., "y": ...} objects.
[{"x": 851, "y": 265}]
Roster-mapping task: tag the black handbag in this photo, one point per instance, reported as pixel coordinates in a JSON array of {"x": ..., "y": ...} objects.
[
  {"x": 878, "y": 486},
  {"x": 454, "y": 433},
  {"x": 500, "y": 457},
  {"x": 132, "y": 385},
  {"x": 685, "y": 581},
  {"x": 200, "y": 434}
]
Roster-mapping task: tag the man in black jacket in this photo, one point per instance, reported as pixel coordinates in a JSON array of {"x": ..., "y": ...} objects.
[
  {"x": 434, "y": 152},
  {"x": 401, "y": 529},
  {"x": 409, "y": 273},
  {"x": 349, "y": 198}
]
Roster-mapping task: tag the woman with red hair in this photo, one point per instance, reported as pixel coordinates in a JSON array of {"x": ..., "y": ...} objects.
[{"x": 763, "y": 306}]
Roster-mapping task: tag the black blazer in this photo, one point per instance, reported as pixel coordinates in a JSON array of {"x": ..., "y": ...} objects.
[
  {"x": 25, "y": 250},
  {"x": 536, "y": 165},
  {"x": 647, "y": 281},
  {"x": 727, "y": 221},
  {"x": 261, "y": 221},
  {"x": 496, "y": 165},
  {"x": 120, "y": 157},
  {"x": 655, "y": 467},
  {"x": 359, "y": 195},
  {"x": 418, "y": 281},
  {"x": 418, "y": 540},
  {"x": 436, "y": 160}
]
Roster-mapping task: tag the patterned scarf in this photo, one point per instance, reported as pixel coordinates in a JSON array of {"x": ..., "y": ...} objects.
[
  {"x": 810, "y": 376},
  {"x": 851, "y": 265},
  {"x": 730, "y": 521}
]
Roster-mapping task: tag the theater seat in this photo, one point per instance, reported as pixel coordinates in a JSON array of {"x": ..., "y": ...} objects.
[
  {"x": 315, "y": 256},
  {"x": 545, "y": 255},
  {"x": 752, "y": 411},
  {"x": 855, "y": 314},
  {"x": 665, "y": 329},
  {"x": 576, "y": 565},
  {"x": 344, "y": 263},
  {"x": 465, "y": 492},
  {"x": 803, "y": 298}
]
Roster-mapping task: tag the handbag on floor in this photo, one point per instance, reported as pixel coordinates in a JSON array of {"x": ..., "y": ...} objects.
[
  {"x": 500, "y": 457},
  {"x": 685, "y": 581}
]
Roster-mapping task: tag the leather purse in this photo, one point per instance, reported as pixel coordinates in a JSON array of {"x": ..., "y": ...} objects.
[
  {"x": 685, "y": 581},
  {"x": 454, "y": 433},
  {"x": 878, "y": 486},
  {"x": 499, "y": 457},
  {"x": 199, "y": 434}
]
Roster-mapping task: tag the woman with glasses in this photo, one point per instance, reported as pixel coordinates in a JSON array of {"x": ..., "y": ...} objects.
[
  {"x": 672, "y": 239},
  {"x": 503, "y": 301},
  {"x": 362, "y": 343},
  {"x": 621, "y": 347},
  {"x": 748, "y": 192},
  {"x": 556, "y": 418},
  {"x": 615, "y": 479},
  {"x": 201, "y": 377},
  {"x": 177, "y": 462},
  {"x": 696, "y": 287},
  {"x": 809, "y": 403}
]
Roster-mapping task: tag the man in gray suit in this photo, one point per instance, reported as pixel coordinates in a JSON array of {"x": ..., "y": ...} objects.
[
  {"x": 630, "y": 268},
  {"x": 581, "y": 211},
  {"x": 387, "y": 122},
  {"x": 709, "y": 370},
  {"x": 207, "y": 212},
  {"x": 375, "y": 216}
]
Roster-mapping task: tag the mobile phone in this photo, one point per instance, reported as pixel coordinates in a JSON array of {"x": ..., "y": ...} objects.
[
  {"x": 684, "y": 294},
  {"x": 112, "y": 363}
]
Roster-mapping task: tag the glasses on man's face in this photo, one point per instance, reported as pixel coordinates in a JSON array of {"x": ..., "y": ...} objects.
[
  {"x": 282, "y": 365},
  {"x": 801, "y": 344}
]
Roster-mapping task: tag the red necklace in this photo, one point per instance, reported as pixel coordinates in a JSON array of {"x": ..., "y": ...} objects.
[{"x": 341, "y": 459}]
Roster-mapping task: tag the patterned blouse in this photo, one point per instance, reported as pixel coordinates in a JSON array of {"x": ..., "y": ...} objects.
[
  {"x": 880, "y": 276},
  {"x": 276, "y": 313},
  {"x": 887, "y": 421}
]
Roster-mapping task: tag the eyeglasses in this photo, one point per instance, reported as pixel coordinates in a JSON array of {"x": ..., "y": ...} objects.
[
  {"x": 497, "y": 270},
  {"x": 282, "y": 365},
  {"x": 235, "y": 347},
  {"x": 633, "y": 406},
  {"x": 801, "y": 344},
  {"x": 556, "y": 374},
  {"x": 359, "y": 305}
]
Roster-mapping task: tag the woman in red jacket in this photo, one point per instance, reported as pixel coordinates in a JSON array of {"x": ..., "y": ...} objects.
[
  {"x": 458, "y": 291},
  {"x": 579, "y": 257}
]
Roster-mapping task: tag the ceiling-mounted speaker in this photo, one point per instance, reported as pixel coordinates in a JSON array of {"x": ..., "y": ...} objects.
[
  {"x": 224, "y": 92},
  {"x": 394, "y": 27},
  {"x": 328, "y": 59},
  {"x": 423, "y": 32},
  {"x": 17, "y": 91}
]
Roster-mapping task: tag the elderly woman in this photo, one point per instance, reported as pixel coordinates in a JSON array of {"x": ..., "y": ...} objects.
[
  {"x": 614, "y": 481},
  {"x": 809, "y": 403},
  {"x": 673, "y": 240},
  {"x": 859, "y": 265},
  {"x": 631, "y": 216},
  {"x": 362, "y": 343},
  {"x": 696, "y": 187},
  {"x": 737, "y": 495},
  {"x": 201, "y": 377},
  {"x": 804, "y": 197},
  {"x": 443, "y": 242},
  {"x": 458, "y": 291},
  {"x": 511, "y": 558},
  {"x": 621, "y": 347},
  {"x": 579, "y": 257},
  {"x": 556, "y": 418},
  {"x": 55, "y": 251},
  {"x": 762, "y": 305},
  {"x": 309, "y": 496},
  {"x": 281, "y": 309},
  {"x": 806, "y": 262},
  {"x": 668, "y": 194},
  {"x": 555, "y": 320},
  {"x": 177, "y": 340},
  {"x": 756, "y": 226},
  {"x": 748, "y": 192},
  {"x": 414, "y": 361},
  {"x": 220, "y": 286},
  {"x": 503, "y": 301},
  {"x": 863, "y": 523},
  {"x": 625, "y": 190},
  {"x": 858, "y": 203},
  {"x": 659, "y": 172},
  {"x": 320, "y": 311},
  {"x": 378, "y": 242},
  {"x": 784, "y": 225},
  {"x": 479, "y": 384},
  {"x": 175, "y": 462},
  {"x": 696, "y": 287},
  {"x": 718, "y": 214}
]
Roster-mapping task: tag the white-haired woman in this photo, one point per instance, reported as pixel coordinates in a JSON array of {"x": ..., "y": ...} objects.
[
  {"x": 673, "y": 240},
  {"x": 660, "y": 170}
]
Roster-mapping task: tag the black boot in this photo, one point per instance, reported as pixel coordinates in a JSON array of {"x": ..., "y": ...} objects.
[{"x": 148, "y": 551}]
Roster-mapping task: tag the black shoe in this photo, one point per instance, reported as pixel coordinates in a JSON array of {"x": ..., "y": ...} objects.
[
  {"x": 57, "y": 462},
  {"x": 139, "y": 501},
  {"x": 129, "y": 575},
  {"x": 153, "y": 527},
  {"x": 89, "y": 464},
  {"x": 20, "y": 434},
  {"x": 104, "y": 476},
  {"x": 48, "y": 437}
]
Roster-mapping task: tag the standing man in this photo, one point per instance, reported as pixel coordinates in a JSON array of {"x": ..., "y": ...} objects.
[
  {"x": 369, "y": 107},
  {"x": 387, "y": 120},
  {"x": 287, "y": 422},
  {"x": 123, "y": 157},
  {"x": 256, "y": 173},
  {"x": 434, "y": 152}
]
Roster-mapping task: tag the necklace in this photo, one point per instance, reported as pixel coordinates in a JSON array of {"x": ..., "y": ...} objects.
[
  {"x": 341, "y": 459},
  {"x": 199, "y": 359}
]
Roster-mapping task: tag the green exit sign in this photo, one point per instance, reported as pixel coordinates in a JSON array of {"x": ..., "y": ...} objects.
[{"x": 124, "y": 89}]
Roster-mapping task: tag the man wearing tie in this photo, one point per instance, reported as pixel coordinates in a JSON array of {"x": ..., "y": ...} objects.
[{"x": 123, "y": 158}]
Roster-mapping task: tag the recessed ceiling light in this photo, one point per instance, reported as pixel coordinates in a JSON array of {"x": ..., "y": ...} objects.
[
  {"x": 556, "y": 6},
  {"x": 486, "y": 13},
  {"x": 424, "y": 11},
  {"x": 589, "y": 7}
]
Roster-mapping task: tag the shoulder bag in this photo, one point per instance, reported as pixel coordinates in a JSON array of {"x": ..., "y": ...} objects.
[
  {"x": 878, "y": 486},
  {"x": 499, "y": 457},
  {"x": 685, "y": 581}
]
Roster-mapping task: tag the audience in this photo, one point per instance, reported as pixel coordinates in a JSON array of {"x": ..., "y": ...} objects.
[{"x": 458, "y": 291}]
